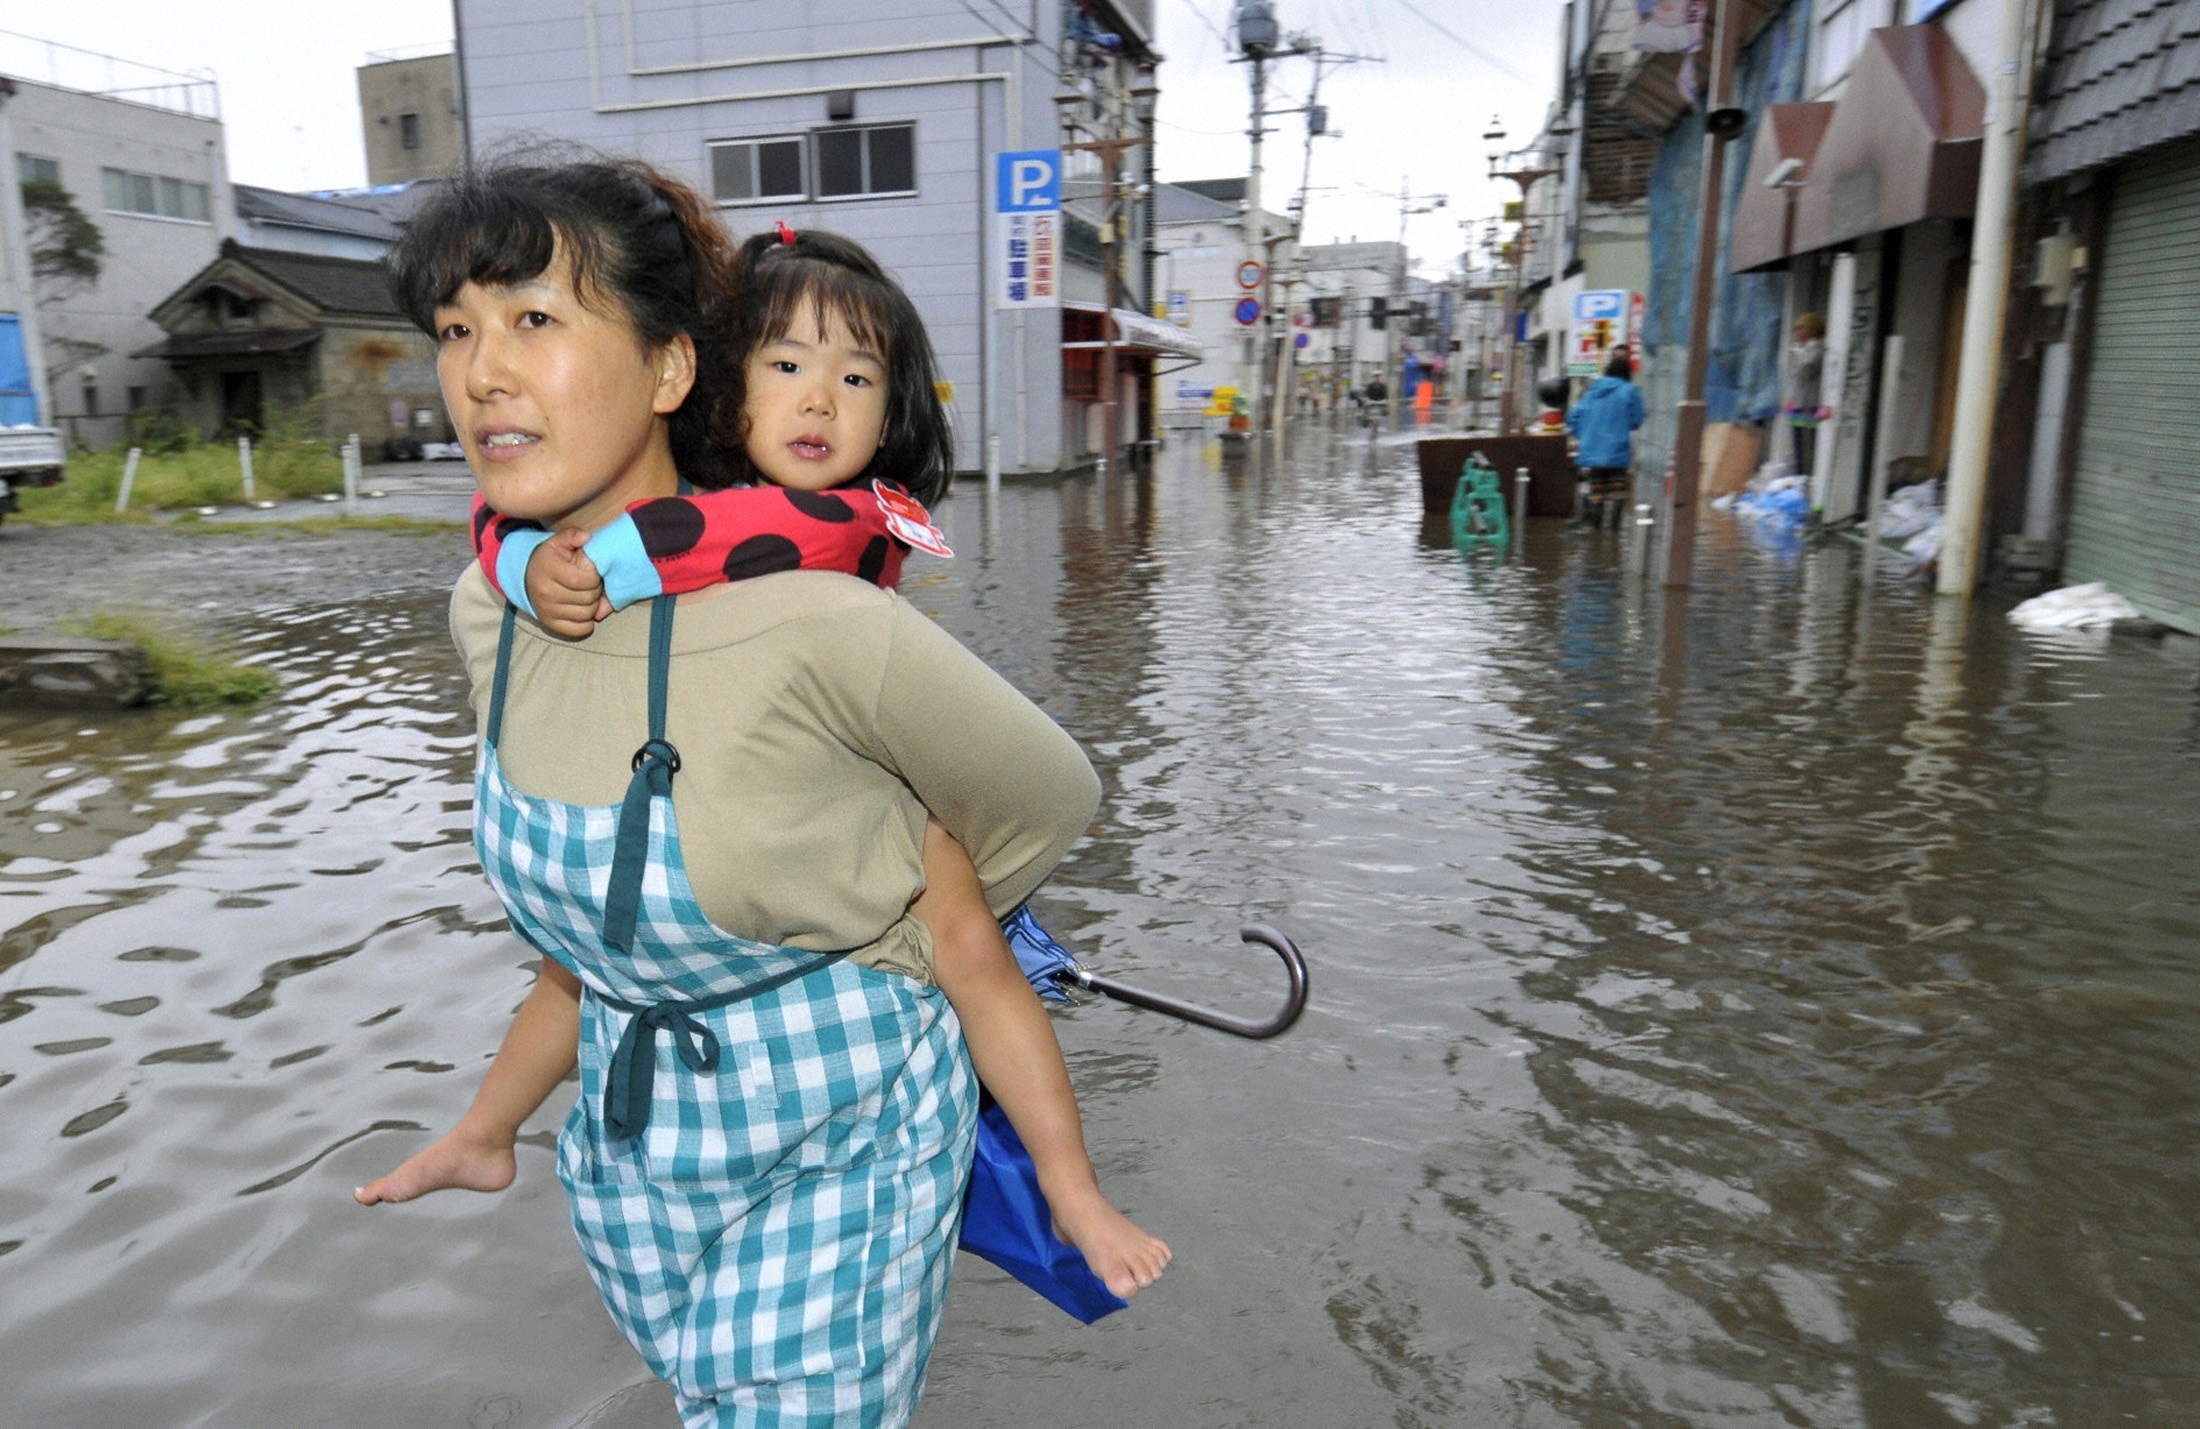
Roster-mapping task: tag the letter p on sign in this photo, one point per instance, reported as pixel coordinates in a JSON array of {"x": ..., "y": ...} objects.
[{"x": 1029, "y": 181}]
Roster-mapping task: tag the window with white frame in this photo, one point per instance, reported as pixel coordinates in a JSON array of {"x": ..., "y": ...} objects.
[
  {"x": 758, "y": 170},
  {"x": 876, "y": 159},
  {"x": 31, "y": 169},
  {"x": 151, "y": 194},
  {"x": 1841, "y": 35}
]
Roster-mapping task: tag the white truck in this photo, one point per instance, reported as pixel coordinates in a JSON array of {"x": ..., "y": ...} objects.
[{"x": 29, "y": 456}]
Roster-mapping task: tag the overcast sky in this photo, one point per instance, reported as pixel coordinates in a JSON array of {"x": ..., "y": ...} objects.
[{"x": 1412, "y": 115}]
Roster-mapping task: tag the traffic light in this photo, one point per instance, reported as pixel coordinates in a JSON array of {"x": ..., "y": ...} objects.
[{"x": 1378, "y": 312}]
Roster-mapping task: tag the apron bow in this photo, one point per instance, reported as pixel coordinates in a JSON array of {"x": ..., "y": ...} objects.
[{"x": 633, "y": 1074}]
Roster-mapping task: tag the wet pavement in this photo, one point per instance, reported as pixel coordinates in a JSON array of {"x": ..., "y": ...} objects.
[{"x": 1776, "y": 1008}]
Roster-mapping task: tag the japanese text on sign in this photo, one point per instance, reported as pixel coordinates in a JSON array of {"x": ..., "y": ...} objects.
[{"x": 1027, "y": 218}]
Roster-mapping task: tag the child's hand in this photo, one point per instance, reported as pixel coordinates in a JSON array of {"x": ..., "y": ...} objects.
[{"x": 564, "y": 588}]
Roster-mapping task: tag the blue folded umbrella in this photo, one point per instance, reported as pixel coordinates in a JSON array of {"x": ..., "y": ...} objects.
[
  {"x": 1006, "y": 1221},
  {"x": 1005, "y": 1218},
  {"x": 1043, "y": 960}
]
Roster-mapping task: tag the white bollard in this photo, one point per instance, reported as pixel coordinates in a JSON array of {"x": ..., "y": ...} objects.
[
  {"x": 244, "y": 463},
  {"x": 1643, "y": 523},
  {"x": 129, "y": 477},
  {"x": 1520, "y": 505},
  {"x": 351, "y": 475}
]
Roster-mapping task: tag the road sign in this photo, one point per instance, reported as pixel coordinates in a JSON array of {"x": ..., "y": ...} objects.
[
  {"x": 1249, "y": 275},
  {"x": 1299, "y": 341},
  {"x": 1028, "y": 181},
  {"x": 1248, "y": 311},
  {"x": 1600, "y": 324},
  {"x": 1027, "y": 199}
]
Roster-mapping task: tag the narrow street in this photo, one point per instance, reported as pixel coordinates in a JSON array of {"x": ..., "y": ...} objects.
[{"x": 1773, "y": 1008}]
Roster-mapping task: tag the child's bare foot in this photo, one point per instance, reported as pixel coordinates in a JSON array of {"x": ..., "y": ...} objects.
[
  {"x": 457, "y": 1162},
  {"x": 1126, "y": 1258}
]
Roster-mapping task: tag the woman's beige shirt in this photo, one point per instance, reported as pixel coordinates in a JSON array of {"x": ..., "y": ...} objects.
[{"x": 817, "y": 719}]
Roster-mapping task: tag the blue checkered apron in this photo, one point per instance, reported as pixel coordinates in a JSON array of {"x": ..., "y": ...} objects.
[{"x": 769, "y": 1211}]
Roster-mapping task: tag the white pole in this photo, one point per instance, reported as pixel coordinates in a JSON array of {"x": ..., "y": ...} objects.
[
  {"x": 1253, "y": 359},
  {"x": 129, "y": 477},
  {"x": 244, "y": 464},
  {"x": 1993, "y": 236},
  {"x": 351, "y": 475},
  {"x": 1520, "y": 504},
  {"x": 1875, "y": 500}
]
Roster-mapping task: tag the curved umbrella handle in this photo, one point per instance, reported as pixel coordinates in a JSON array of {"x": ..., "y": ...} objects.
[{"x": 1294, "y": 1002}]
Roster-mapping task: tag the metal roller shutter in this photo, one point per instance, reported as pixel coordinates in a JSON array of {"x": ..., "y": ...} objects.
[{"x": 2135, "y": 499}]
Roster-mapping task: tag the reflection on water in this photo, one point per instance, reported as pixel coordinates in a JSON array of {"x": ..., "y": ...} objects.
[{"x": 1769, "y": 1008}]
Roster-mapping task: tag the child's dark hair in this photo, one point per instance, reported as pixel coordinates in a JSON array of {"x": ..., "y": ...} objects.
[
  {"x": 632, "y": 236},
  {"x": 780, "y": 272}
]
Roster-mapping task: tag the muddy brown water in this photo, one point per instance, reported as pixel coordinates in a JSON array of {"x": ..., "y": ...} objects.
[{"x": 1777, "y": 1010}]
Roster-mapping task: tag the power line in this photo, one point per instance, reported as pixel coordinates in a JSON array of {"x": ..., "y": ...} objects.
[
  {"x": 1462, "y": 41},
  {"x": 1212, "y": 28}
]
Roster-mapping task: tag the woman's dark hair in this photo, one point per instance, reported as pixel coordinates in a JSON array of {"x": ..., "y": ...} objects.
[
  {"x": 779, "y": 273},
  {"x": 632, "y": 236},
  {"x": 1620, "y": 365}
]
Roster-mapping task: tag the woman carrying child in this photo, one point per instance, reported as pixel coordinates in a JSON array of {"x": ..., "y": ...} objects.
[{"x": 761, "y": 950}]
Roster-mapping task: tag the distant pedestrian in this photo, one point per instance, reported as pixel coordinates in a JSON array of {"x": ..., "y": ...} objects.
[
  {"x": 1603, "y": 423},
  {"x": 1806, "y": 391}
]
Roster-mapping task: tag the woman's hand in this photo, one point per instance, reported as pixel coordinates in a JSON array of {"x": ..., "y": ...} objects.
[{"x": 464, "y": 1160}]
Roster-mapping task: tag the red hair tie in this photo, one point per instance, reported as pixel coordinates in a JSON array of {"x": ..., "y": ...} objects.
[{"x": 786, "y": 234}]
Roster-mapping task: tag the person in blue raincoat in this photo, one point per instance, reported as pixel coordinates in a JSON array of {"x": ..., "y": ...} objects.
[{"x": 1603, "y": 423}]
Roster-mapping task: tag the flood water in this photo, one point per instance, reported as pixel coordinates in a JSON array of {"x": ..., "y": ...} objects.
[{"x": 1777, "y": 1008}]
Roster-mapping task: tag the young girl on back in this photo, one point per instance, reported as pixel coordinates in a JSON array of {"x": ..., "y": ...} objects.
[{"x": 838, "y": 400}]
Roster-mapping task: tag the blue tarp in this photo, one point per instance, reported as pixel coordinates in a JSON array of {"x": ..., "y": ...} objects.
[
  {"x": 18, "y": 401},
  {"x": 1742, "y": 380}
]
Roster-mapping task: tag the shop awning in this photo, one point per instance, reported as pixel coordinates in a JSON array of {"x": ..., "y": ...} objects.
[
  {"x": 1148, "y": 337},
  {"x": 1788, "y": 137},
  {"x": 254, "y": 342},
  {"x": 1903, "y": 144}
]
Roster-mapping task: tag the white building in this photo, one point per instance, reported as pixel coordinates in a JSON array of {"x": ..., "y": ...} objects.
[
  {"x": 1199, "y": 240},
  {"x": 1347, "y": 286},
  {"x": 881, "y": 121},
  {"x": 145, "y": 162}
]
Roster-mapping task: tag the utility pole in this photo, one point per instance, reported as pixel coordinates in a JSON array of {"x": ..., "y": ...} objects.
[
  {"x": 1259, "y": 40},
  {"x": 1391, "y": 366},
  {"x": 1525, "y": 172},
  {"x": 1721, "y": 122},
  {"x": 1978, "y": 371},
  {"x": 1111, "y": 147}
]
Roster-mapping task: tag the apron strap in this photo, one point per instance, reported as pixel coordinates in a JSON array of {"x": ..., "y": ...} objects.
[
  {"x": 504, "y": 666},
  {"x": 632, "y": 1075},
  {"x": 654, "y": 765}
]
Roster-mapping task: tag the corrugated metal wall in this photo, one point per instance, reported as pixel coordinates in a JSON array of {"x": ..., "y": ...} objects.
[{"x": 2135, "y": 502}]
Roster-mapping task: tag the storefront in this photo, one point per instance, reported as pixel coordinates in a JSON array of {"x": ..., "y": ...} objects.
[
  {"x": 2134, "y": 510},
  {"x": 1144, "y": 349},
  {"x": 1866, "y": 203}
]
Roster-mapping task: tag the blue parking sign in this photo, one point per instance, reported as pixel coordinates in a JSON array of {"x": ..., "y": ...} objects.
[{"x": 1028, "y": 181}]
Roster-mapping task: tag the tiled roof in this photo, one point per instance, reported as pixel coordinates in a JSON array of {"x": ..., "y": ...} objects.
[
  {"x": 335, "y": 285},
  {"x": 308, "y": 211},
  {"x": 2120, "y": 76}
]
